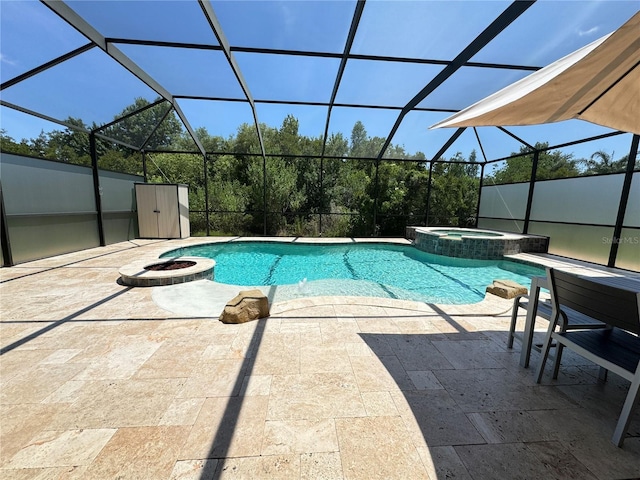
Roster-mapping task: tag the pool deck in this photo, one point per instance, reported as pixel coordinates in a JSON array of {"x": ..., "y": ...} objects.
[{"x": 98, "y": 382}]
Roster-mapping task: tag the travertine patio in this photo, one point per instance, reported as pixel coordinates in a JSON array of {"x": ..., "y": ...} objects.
[{"x": 99, "y": 382}]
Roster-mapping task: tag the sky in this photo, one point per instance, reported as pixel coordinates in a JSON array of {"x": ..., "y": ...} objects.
[{"x": 93, "y": 87}]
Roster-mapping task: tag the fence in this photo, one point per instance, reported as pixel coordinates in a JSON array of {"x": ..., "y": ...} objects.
[
  {"x": 577, "y": 214},
  {"x": 50, "y": 207}
]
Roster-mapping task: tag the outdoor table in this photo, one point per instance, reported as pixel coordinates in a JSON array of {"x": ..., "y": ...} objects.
[{"x": 539, "y": 282}]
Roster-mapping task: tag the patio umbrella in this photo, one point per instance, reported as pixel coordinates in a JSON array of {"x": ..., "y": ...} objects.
[{"x": 599, "y": 83}]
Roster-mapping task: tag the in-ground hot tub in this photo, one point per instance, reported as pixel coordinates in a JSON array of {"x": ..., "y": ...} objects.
[{"x": 475, "y": 243}]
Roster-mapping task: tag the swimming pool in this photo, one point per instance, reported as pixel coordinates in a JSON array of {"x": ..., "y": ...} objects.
[{"x": 357, "y": 269}]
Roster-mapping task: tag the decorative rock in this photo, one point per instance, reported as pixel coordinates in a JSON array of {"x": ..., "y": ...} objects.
[
  {"x": 246, "y": 306},
  {"x": 506, "y": 288}
]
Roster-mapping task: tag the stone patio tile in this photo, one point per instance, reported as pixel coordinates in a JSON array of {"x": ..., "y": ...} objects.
[
  {"x": 376, "y": 322},
  {"x": 137, "y": 452},
  {"x": 35, "y": 384},
  {"x": 604, "y": 401},
  {"x": 549, "y": 460},
  {"x": 229, "y": 346},
  {"x": 194, "y": 469},
  {"x": 483, "y": 390},
  {"x": 299, "y": 436},
  {"x": 61, "y": 448},
  {"x": 469, "y": 353},
  {"x": 424, "y": 380},
  {"x": 319, "y": 358},
  {"x": 375, "y": 374},
  {"x": 278, "y": 354},
  {"x": 379, "y": 404},
  {"x": 434, "y": 419},
  {"x": 321, "y": 466},
  {"x": 411, "y": 324},
  {"x": 455, "y": 327},
  {"x": 20, "y": 423},
  {"x": 62, "y": 355},
  {"x": 17, "y": 361},
  {"x": 67, "y": 392},
  {"x": 377, "y": 343},
  {"x": 326, "y": 311},
  {"x": 171, "y": 361},
  {"x": 54, "y": 473},
  {"x": 510, "y": 427},
  {"x": 314, "y": 396},
  {"x": 604, "y": 459},
  {"x": 253, "y": 385},
  {"x": 378, "y": 448},
  {"x": 182, "y": 411},
  {"x": 358, "y": 349},
  {"x": 417, "y": 352},
  {"x": 443, "y": 462},
  {"x": 276, "y": 467},
  {"x": 218, "y": 378},
  {"x": 122, "y": 403},
  {"x": 178, "y": 331},
  {"x": 19, "y": 271},
  {"x": 302, "y": 326},
  {"x": 70, "y": 336},
  {"x": 227, "y": 427},
  {"x": 340, "y": 331},
  {"x": 122, "y": 360}
]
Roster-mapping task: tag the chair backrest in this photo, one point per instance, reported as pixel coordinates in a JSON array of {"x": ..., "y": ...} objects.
[{"x": 615, "y": 306}]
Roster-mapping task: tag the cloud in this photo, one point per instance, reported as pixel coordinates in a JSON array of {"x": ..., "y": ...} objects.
[
  {"x": 6, "y": 60},
  {"x": 591, "y": 31}
]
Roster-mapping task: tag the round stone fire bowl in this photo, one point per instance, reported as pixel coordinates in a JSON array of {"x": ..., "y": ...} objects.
[{"x": 168, "y": 271}]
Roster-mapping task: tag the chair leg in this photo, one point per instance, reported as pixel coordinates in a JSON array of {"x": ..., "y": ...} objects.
[
  {"x": 564, "y": 322},
  {"x": 556, "y": 361},
  {"x": 514, "y": 319},
  {"x": 602, "y": 374},
  {"x": 546, "y": 346},
  {"x": 627, "y": 409}
]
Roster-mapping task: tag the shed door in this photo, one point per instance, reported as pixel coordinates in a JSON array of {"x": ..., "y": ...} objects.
[
  {"x": 168, "y": 218},
  {"x": 147, "y": 216}
]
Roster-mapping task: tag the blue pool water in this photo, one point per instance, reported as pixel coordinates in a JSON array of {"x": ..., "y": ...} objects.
[{"x": 362, "y": 269}]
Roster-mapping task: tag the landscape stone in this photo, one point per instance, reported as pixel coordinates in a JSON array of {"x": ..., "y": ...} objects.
[
  {"x": 246, "y": 306},
  {"x": 506, "y": 288}
]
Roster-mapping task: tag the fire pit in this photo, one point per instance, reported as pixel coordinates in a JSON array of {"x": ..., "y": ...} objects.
[
  {"x": 170, "y": 265},
  {"x": 155, "y": 273}
]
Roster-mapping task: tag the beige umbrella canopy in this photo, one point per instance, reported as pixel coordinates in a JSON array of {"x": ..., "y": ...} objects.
[{"x": 599, "y": 83}]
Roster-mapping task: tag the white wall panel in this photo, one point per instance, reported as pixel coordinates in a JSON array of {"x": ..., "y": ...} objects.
[
  {"x": 117, "y": 191},
  {"x": 629, "y": 249},
  {"x": 591, "y": 244},
  {"x": 592, "y": 200},
  {"x": 514, "y": 226},
  {"x": 34, "y": 186},
  {"x": 504, "y": 201}
]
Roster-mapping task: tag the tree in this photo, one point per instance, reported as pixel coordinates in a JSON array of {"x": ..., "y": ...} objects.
[
  {"x": 551, "y": 164},
  {"x": 454, "y": 192},
  {"x": 602, "y": 162},
  {"x": 9, "y": 145},
  {"x": 70, "y": 145},
  {"x": 358, "y": 140},
  {"x": 135, "y": 130}
]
